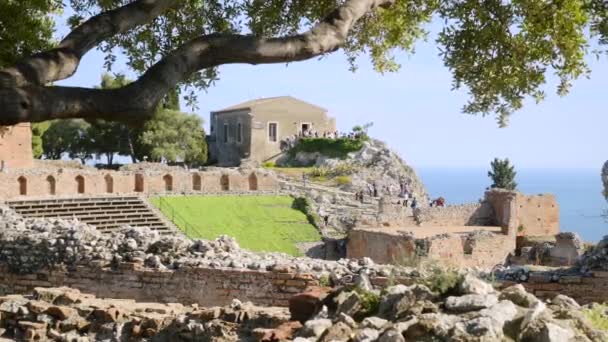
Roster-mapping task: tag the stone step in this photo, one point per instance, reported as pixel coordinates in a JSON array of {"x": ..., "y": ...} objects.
[{"x": 105, "y": 213}]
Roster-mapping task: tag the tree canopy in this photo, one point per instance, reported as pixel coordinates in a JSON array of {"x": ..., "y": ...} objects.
[
  {"x": 500, "y": 51},
  {"x": 502, "y": 174},
  {"x": 170, "y": 135}
]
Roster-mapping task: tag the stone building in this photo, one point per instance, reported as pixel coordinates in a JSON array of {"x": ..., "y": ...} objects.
[
  {"x": 254, "y": 129},
  {"x": 16, "y": 146}
]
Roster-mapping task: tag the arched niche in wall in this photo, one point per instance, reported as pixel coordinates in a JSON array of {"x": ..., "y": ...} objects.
[
  {"x": 168, "y": 179},
  {"x": 109, "y": 183},
  {"x": 225, "y": 182},
  {"x": 51, "y": 185},
  {"x": 139, "y": 182},
  {"x": 79, "y": 184},
  {"x": 196, "y": 182},
  {"x": 253, "y": 182},
  {"x": 22, "y": 185}
]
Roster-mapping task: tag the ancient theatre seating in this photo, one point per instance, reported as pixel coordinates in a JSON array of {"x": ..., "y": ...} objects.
[{"x": 105, "y": 213}]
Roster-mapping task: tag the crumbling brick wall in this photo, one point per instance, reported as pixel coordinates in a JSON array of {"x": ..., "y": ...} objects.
[
  {"x": 473, "y": 214},
  {"x": 586, "y": 289},
  {"x": 204, "y": 286},
  {"x": 525, "y": 215},
  {"x": 16, "y": 146},
  {"x": 481, "y": 249}
]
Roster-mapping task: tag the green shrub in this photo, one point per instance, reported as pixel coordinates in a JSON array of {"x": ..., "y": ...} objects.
[
  {"x": 443, "y": 280},
  {"x": 343, "y": 180},
  {"x": 333, "y": 148},
  {"x": 318, "y": 172},
  {"x": 269, "y": 164},
  {"x": 370, "y": 302},
  {"x": 597, "y": 315},
  {"x": 324, "y": 280},
  {"x": 303, "y": 204},
  {"x": 343, "y": 169}
]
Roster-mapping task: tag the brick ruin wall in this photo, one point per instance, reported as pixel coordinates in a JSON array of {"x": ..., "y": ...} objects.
[
  {"x": 584, "y": 289},
  {"x": 16, "y": 146},
  {"x": 68, "y": 182},
  {"x": 204, "y": 286},
  {"x": 394, "y": 247},
  {"x": 474, "y": 214},
  {"x": 516, "y": 213}
]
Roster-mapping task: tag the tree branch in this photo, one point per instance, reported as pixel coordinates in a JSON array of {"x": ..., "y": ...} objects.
[
  {"x": 137, "y": 101},
  {"x": 62, "y": 62}
]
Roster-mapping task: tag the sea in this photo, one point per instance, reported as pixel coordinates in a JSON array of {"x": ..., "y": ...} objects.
[{"x": 578, "y": 191}]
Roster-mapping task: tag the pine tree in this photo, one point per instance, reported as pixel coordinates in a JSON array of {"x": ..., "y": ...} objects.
[{"x": 502, "y": 174}]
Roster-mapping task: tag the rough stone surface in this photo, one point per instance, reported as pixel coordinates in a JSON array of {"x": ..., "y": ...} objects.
[
  {"x": 605, "y": 178},
  {"x": 470, "y": 302}
]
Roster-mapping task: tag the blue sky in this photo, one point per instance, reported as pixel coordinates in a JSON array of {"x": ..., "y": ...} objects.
[{"x": 416, "y": 112}]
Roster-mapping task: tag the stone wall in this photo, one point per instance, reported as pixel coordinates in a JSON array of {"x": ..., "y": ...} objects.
[
  {"x": 516, "y": 213},
  {"x": 525, "y": 215},
  {"x": 203, "y": 286},
  {"x": 48, "y": 182},
  {"x": 16, "y": 146},
  {"x": 584, "y": 289},
  {"x": 474, "y": 214},
  {"x": 393, "y": 246}
]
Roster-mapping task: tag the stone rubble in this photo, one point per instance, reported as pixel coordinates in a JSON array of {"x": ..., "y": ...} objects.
[
  {"x": 30, "y": 244},
  {"x": 394, "y": 313},
  {"x": 64, "y": 314},
  {"x": 596, "y": 258}
]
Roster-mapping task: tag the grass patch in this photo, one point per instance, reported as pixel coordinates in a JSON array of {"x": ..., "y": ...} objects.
[
  {"x": 258, "y": 223},
  {"x": 598, "y": 316}
]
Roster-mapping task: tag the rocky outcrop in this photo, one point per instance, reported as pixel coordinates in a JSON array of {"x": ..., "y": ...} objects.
[
  {"x": 595, "y": 258},
  {"x": 605, "y": 178},
  {"x": 375, "y": 162}
]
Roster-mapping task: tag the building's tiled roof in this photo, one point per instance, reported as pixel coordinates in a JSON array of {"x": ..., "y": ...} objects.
[{"x": 253, "y": 103}]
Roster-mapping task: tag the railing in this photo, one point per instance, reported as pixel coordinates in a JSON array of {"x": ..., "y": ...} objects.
[{"x": 172, "y": 215}]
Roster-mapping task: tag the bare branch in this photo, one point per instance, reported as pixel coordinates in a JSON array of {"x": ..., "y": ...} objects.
[
  {"x": 138, "y": 100},
  {"x": 62, "y": 62}
]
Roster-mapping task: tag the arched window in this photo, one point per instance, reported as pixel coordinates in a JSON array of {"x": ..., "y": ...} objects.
[
  {"x": 253, "y": 181},
  {"x": 79, "y": 184},
  {"x": 22, "y": 185},
  {"x": 109, "y": 184},
  {"x": 51, "y": 185},
  {"x": 225, "y": 183},
  {"x": 196, "y": 182},
  {"x": 139, "y": 182},
  {"x": 168, "y": 182}
]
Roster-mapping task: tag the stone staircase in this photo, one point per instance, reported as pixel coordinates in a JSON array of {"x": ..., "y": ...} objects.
[{"x": 105, "y": 213}]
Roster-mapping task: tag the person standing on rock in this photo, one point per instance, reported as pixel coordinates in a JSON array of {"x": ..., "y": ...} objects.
[
  {"x": 414, "y": 203},
  {"x": 304, "y": 178},
  {"x": 375, "y": 189}
]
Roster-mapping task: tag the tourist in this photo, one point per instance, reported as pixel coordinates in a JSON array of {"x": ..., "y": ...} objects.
[
  {"x": 326, "y": 220},
  {"x": 361, "y": 196},
  {"x": 304, "y": 178},
  {"x": 414, "y": 203},
  {"x": 375, "y": 188},
  {"x": 441, "y": 202}
]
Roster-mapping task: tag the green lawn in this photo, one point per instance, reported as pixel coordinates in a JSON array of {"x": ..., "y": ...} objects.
[{"x": 259, "y": 223}]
